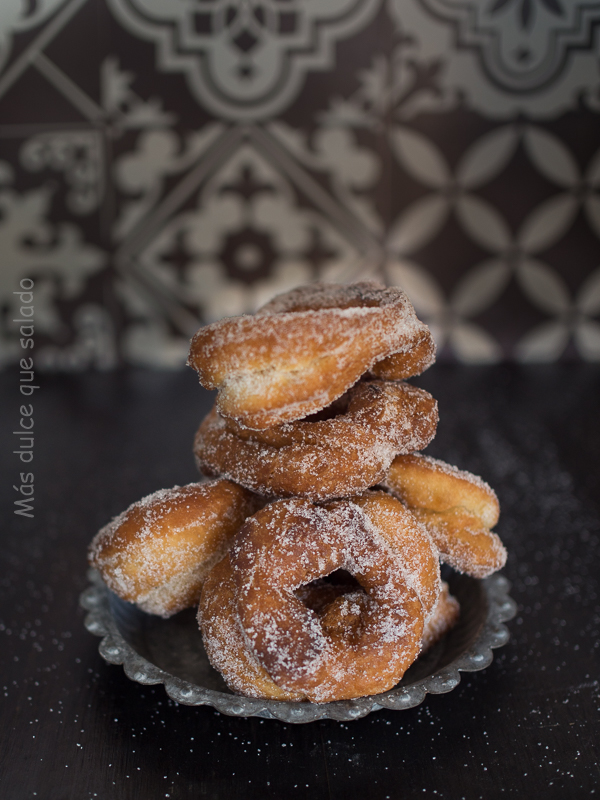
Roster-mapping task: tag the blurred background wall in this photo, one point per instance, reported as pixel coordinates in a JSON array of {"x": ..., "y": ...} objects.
[{"x": 167, "y": 162}]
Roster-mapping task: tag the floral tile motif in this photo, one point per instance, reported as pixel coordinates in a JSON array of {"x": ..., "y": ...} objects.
[
  {"x": 523, "y": 45},
  {"x": 40, "y": 244},
  {"x": 506, "y": 56},
  {"x": 244, "y": 59},
  {"x": 194, "y": 159}
]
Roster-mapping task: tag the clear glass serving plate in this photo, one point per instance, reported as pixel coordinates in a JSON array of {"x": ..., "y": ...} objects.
[{"x": 154, "y": 650}]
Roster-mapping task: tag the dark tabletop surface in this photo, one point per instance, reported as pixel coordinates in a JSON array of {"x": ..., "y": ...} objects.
[{"x": 75, "y": 727}]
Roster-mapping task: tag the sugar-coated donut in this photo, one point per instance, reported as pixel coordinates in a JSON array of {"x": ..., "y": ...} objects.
[
  {"x": 302, "y": 351},
  {"x": 322, "y": 458},
  {"x": 444, "y": 618},
  {"x": 313, "y": 297},
  {"x": 457, "y": 508},
  {"x": 225, "y": 643},
  {"x": 404, "y": 535},
  {"x": 158, "y": 552},
  {"x": 338, "y": 607},
  {"x": 291, "y": 543}
]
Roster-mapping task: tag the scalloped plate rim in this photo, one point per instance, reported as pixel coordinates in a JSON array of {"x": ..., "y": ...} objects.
[{"x": 115, "y": 649}]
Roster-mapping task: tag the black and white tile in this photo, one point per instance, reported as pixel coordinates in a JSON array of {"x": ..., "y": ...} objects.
[{"x": 165, "y": 164}]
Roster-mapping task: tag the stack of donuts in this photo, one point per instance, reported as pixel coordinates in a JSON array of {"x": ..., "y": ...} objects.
[{"x": 314, "y": 553}]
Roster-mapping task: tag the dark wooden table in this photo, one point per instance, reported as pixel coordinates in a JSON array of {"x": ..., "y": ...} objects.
[{"x": 74, "y": 727}]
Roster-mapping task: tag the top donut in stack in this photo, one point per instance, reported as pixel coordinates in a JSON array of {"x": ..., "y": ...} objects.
[{"x": 311, "y": 400}]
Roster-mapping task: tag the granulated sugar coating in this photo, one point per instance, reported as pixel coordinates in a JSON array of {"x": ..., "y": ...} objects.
[
  {"x": 312, "y": 407},
  {"x": 319, "y": 459},
  {"x": 457, "y": 508},
  {"x": 427, "y": 482},
  {"x": 444, "y": 617},
  {"x": 158, "y": 552},
  {"x": 292, "y": 543},
  {"x": 225, "y": 643},
  {"x": 279, "y": 366}
]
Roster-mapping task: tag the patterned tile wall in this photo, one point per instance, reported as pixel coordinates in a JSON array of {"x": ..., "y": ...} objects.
[{"x": 166, "y": 163}]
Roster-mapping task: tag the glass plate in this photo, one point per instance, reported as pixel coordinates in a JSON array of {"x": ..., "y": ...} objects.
[{"x": 154, "y": 650}]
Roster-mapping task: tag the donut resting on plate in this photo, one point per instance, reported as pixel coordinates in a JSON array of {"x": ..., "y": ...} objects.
[
  {"x": 286, "y": 644},
  {"x": 158, "y": 552},
  {"x": 457, "y": 508}
]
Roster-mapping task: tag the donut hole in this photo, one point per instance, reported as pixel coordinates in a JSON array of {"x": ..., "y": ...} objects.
[
  {"x": 341, "y": 406},
  {"x": 342, "y": 577},
  {"x": 336, "y": 409},
  {"x": 338, "y": 582},
  {"x": 339, "y": 601}
]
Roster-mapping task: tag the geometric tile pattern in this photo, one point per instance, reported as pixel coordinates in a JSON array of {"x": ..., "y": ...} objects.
[{"x": 166, "y": 164}]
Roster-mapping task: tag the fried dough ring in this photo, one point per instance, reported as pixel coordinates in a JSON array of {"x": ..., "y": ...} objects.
[
  {"x": 158, "y": 552},
  {"x": 293, "y": 542},
  {"x": 337, "y": 606},
  {"x": 301, "y": 352},
  {"x": 457, "y": 508},
  {"x": 324, "y": 458},
  {"x": 314, "y": 296}
]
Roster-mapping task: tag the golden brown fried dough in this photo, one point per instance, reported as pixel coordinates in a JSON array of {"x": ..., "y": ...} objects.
[
  {"x": 304, "y": 350},
  {"x": 291, "y": 543},
  {"x": 339, "y": 608},
  {"x": 158, "y": 552},
  {"x": 457, "y": 508},
  {"x": 321, "y": 459}
]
